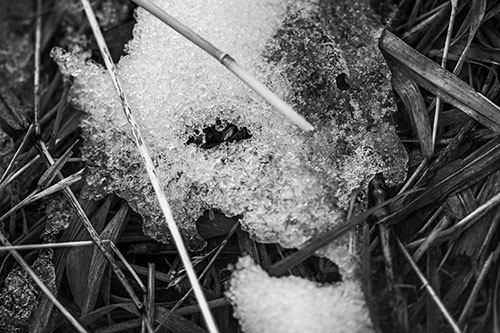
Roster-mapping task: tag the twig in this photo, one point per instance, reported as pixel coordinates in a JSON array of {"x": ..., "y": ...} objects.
[
  {"x": 150, "y": 168},
  {"x": 429, "y": 289},
  {"x": 226, "y": 60}
]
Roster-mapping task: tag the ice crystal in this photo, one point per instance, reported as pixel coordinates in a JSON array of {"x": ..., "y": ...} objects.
[
  {"x": 20, "y": 295},
  {"x": 58, "y": 212},
  {"x": 287, "y": 185},
  {"x": 292, "y": 304}
]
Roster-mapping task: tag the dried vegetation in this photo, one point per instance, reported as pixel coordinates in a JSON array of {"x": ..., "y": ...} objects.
[{"x": 429, "y": 249}]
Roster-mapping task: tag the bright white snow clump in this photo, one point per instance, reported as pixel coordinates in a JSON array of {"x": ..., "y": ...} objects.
[
  {"x": 288, "y": 185},
  {"x": 265, "y": 304}
]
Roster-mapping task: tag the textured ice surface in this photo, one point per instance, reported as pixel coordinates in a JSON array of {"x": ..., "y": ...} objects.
[
  {"x": 19, "y": 296},
  {"x": 288, "y": 185},
  {"x": 292, "y": 304},
  {"x": 58, "y": 212}
]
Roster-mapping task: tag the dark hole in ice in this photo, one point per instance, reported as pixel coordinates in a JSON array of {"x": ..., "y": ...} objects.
[
  {"x": 211, "y": 137},
  {"x": 342, "y": 82}
]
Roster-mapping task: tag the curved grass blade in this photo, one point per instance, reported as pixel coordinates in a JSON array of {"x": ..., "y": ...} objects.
[
  {"x": 414, "y": 103},
  {"x": 441, "y": 82}
]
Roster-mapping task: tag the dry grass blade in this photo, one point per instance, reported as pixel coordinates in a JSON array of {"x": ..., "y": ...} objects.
[
  {"x": 36, "y": 76},
  {"x": 8, "y": 179},
  {"x": 219, "y": 250},
  {"x": 478, "y": 10},
  {"x": 226, "y": 60},
  {"x": 492, "y": 258},
  {"x": 42, "y": 149},
  {"x": 430, "y": 238},
  {"x": 444, "y": 154},
  {"x": 60, "y": 108},
  {"x": 439, "y": 81},
  {"x": 473, "y": 239},
  {"x": 425, "y": 23},
  {"x": 470, "y": 219},
  {"x": 458, "y": 176},
  {"x": 150, "y": 168},
  {"x": 60, "y": 185},
  {"x": 48, "y": 245},
  {"x": 399, "y": 313},
  {"x": 432, "y": 312},
  {"x": 366, "y": 268},
  {"x": 77, "y": 261},
  {"x": 414, "y": 177},
  {"x": 98, "y": 262},
  {"x": 437, "y": 110},
  {"x": 176, "y": 323},
  {"x": 16, "y": 155},
  {"x": 475, "y": 54},
  {"x": 49, "y": 175},
  {"x": 438, "y": 26},
  {"x": 144, "y": 272},
  {"x": 127, "y": 265},
  {"x": 151, "y": 309},
  {"x": 325, "y": 238},
  {"x": 414, "y": 103},
  {"x": 429, "y": 289}
]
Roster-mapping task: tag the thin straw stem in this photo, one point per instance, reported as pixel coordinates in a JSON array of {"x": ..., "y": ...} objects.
[
  {"x": 464, "y": 223},
  {"x": 471, "y": 300},
  {"x": 429, "y": 289},
  {"x": 162, "y": 199},
  {"x": 226, "y": 60},
  {"x": 43, "y": 151},
  {"x": 414, "y": 176},
  {"x": 19, "y": 172},
  {"x": 79, "y": 244},
  {"x": 211, "y": 262},
  {"x": 151, "y": 293},
  {"x": 36, "y": 76},
  {"x": 47, "y": 246},
  {"x": 16, "y": 154},
  {"x": 454, "y": 5}
]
